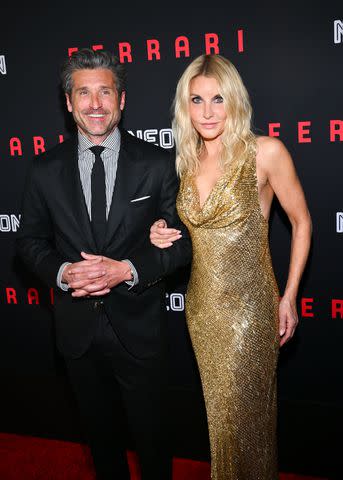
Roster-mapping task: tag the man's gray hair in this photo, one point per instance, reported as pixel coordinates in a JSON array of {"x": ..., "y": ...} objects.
[{"x": 86, "y": 58}]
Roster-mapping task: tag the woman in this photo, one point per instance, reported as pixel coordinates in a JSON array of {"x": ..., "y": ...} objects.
[{"x": 234, "y": 313}]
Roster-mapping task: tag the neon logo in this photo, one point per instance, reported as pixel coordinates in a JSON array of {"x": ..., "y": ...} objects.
[{"x": 3, "y": 70}]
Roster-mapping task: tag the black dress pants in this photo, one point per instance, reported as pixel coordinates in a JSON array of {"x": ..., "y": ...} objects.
[{"x": 117, "y": 392}]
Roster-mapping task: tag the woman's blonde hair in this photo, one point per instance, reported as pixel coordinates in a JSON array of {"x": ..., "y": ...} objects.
[{"x": 237, "y": 135}]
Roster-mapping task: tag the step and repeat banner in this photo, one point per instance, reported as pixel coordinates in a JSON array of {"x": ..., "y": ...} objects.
[{"x": 291, "y": 63}]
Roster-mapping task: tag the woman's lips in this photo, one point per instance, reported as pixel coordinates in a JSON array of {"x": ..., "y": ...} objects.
[{"x": 209, "y": 125}]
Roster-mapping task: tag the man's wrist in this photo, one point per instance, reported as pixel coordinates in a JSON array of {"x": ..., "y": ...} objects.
[
  {"x": 61, "y": 281},
  {"x": 128, "y": 273},
  {"x": 134, "y": 280}
]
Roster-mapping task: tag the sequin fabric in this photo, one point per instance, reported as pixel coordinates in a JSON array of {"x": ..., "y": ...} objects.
[{"x": 232, "y": 315}]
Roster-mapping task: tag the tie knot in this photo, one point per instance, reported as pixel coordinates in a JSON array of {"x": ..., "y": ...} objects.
[{"x": 97, "y": 150}]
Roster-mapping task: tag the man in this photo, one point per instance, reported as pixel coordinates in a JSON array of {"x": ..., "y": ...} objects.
[{"x": 85, "y": 225}]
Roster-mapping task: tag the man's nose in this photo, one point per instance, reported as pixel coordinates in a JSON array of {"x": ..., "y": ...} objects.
[{"x": 95, "y": 101}]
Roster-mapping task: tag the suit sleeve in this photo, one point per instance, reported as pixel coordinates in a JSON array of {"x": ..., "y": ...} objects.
[
  {"x": 153, "y": 263},
  {"x": 35, "y": 238}
]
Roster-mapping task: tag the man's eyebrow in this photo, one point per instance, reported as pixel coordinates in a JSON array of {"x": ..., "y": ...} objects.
[{"x": 85, "y": 87}]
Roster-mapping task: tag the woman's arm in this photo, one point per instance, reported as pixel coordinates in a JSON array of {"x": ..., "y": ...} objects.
[
  {"x": 161, "y": 236},
  {"x": 275, "y": 162}
]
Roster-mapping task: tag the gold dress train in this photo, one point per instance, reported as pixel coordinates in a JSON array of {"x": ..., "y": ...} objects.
[{"x": 232, "y": 316}]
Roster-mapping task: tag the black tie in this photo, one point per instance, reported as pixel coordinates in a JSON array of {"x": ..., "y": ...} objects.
[{"x": 98, "y": 208}]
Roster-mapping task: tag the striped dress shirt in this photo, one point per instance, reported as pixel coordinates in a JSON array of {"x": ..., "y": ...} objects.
[{"x": 110, "y": 159}]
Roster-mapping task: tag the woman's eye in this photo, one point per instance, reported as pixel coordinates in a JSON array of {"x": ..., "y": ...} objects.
[
  {"x": 196, "y": 99},
  {"x": 218, "y": 99}
]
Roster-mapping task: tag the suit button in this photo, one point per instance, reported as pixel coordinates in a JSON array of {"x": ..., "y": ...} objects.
[{"x": 98, "y": 304}]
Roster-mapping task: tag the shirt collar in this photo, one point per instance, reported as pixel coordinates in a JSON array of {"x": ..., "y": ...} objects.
[{"x": 112, "y": 141}]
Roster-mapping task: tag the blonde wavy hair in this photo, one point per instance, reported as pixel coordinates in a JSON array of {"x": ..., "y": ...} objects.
[{"x": 237, "y": 136}]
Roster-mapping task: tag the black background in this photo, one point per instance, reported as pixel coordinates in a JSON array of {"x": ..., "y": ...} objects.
[{"x": 293, "y": 71}]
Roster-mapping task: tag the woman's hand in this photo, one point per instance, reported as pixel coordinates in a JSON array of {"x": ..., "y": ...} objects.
[
  {"x": 288, "y": 319},
  {"x": 161, "y": 236}
]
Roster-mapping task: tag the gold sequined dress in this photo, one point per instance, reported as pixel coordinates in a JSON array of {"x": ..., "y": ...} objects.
[{"x": 232, "y": 315}]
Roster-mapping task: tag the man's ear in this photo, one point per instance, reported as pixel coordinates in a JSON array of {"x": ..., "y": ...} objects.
[
  {"x": 122, "y": 101},
  {"x": 69, "y": 105}
]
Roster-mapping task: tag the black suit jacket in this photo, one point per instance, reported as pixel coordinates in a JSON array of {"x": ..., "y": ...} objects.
[{"x": 55, "y": 228}]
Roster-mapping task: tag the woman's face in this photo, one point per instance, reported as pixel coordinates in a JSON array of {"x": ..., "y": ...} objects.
[{"x": 206, "y": 107}]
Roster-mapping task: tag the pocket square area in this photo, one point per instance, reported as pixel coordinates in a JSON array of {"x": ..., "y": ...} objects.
[{"x": 140, "y": 199}]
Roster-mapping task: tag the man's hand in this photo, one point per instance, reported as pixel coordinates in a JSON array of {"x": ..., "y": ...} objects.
[
  {"x": 95, "y": 275},
  {"x": 288, "y": 318},
  {"x": 91, "y": 269}
]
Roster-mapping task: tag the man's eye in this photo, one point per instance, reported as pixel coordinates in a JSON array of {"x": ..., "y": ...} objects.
[
  {"x": 83, "y": 92},
  {"x": 106, "y": 92}
]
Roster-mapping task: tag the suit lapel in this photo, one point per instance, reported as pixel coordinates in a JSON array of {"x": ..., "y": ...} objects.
[
  {"x": 128, "y": 177},
  {"x": 75, "y": 196}
]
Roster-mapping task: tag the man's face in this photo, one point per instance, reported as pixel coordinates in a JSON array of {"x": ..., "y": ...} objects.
[{"x": 94, "y": 103}]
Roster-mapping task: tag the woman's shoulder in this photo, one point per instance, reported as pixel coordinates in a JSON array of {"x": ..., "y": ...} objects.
[
  {"x": 271, "y": 154},
  {"x": 269, "y": 145}
]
